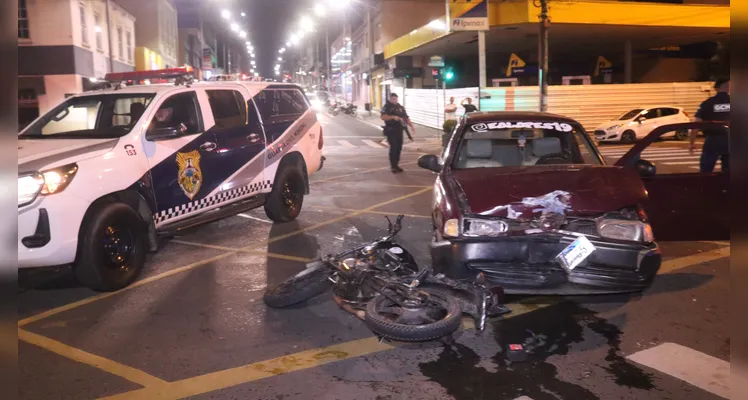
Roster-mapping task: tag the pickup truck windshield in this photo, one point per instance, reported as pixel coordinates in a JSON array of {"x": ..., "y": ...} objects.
[{"x": 91, "y": 117}]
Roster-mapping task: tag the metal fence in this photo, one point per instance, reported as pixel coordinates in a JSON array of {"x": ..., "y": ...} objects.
[{"x": 591, "y": 105}]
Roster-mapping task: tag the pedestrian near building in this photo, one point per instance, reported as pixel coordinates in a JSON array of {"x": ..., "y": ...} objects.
[
  {"x": 716, "y": 141},
  {"x": 450, "y": 110},
  {"x": 469, "y": 107},
  {"x": 395, "y": 120}
]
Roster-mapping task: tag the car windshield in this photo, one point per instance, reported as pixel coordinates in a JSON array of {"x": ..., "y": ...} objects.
[
  {"x": 630, "y": 114},
  {"x": 98, "y": 116},
  {"x": 519, "y": 144}
]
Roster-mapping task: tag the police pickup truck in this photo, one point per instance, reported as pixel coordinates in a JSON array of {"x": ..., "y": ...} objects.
[{"x": 105, "y": 173}]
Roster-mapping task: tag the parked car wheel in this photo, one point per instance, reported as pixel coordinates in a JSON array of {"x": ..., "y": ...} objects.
[
  {"x": 285, "y": 200},
  {"x": 628, "y": 137},
  {"x": 112, "y": 248}
]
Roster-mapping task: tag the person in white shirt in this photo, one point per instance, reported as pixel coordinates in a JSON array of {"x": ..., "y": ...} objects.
[{"x": 450, "y": 110}]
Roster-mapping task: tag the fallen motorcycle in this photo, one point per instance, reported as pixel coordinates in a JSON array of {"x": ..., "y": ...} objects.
[
  {"x": 335, "y": 108},
  {"x": 350, "y": 109},
  {"x": 380, "y": 283}
]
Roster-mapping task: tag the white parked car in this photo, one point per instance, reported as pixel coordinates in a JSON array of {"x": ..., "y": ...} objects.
[
  {"x": 103, "y": 174},
  {"x": 639, "y": 122}
]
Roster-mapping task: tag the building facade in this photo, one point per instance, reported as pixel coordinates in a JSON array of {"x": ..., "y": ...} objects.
[
  {"x": 156, "y": 33},
  {"x": 65, "y": 44}
]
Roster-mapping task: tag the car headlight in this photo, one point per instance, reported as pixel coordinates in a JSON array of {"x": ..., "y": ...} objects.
[
  {"x": 635, "y": 231},
  {"x": 29, "y": 187},
  {"x": 482, "y": 227},
  {"x": 45, "y": 183},
  {"x": 452, "y": 228},
  {"x": 613, "y": 127}
]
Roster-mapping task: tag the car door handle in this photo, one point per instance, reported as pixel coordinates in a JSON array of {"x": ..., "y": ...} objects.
[
  {"x": 208, "y": 146},
  {"x": 253, "y": 138}
]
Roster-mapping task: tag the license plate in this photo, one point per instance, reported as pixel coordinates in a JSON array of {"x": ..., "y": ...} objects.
[{"x": 575, "y": 253}]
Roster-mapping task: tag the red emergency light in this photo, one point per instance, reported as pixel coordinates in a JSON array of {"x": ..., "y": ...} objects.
[{"x": 156, "y": 74}]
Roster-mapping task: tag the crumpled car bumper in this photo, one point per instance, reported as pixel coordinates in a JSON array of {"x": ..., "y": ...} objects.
[{"x": 526, "y": 264}]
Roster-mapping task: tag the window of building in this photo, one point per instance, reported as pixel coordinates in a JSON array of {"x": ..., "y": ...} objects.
[
  {"x": 98, "y": 30},
  {"x": 229, "y": 108},
  {"x": 23, "y": 20},
  {"x": 120, "y": 44},
  {"x": 84, "y": 25},
  {"x": 129, "y": 46}
]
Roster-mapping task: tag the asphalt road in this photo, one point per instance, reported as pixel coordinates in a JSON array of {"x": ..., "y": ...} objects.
[{"x": 194, "y": 325}]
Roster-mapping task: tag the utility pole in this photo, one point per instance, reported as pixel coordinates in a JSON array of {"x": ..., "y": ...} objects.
[
  {"x": 327, "y": 54},
  {"x": 109, "y": 37},
  {"x": 545, "y": 23},
  {"x": 370, "y": 45}
]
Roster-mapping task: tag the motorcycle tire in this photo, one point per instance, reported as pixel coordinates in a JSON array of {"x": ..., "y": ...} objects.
[
  {"x": 385, "y": 326},
  {"x": 309, "y": 283}
]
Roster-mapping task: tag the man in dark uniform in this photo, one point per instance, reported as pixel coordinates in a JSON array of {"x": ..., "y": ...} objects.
[
  {"x": 716, "y": 142},
  {"x": 395, "y": 118}
]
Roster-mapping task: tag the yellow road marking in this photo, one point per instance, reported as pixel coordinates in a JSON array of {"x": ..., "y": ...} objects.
[
  {"x": 104, "y": 364},
  {"x": 695, "y": 259},
  {"x": 139, "y": 283},
  {"x": 230, "y": 251},
  {"x": 372, "y": 212},
  {"x": 285, "y": 364},
  {"x": 357, "y": 173}
]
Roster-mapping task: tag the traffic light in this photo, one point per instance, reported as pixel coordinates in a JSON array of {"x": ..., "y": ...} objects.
[{"x": 448, "y": 74}]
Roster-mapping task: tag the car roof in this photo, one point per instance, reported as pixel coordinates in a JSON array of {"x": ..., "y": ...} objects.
[
  {"x": 486, "y": 116},
  {"x": 166, "y": 87}
]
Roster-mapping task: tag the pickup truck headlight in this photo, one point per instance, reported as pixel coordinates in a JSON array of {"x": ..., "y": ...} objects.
[
  {"x": 45, "y": 183},
  {"x": 484, "y": 228},
  {"x": 634, "y": 231}
]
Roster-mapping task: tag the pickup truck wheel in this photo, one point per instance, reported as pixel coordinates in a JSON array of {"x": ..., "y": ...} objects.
[
  {"x": 112, "y": 248},
  {"x": 285, "y": 200}
]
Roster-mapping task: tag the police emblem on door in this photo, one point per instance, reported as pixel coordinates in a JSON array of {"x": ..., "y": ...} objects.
[{"x": 190, "y": 176}]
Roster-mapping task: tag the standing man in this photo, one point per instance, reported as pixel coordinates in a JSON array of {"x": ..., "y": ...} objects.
[
  {"x": 469, "y": 107},
  {"x": 395, "y": 118},
  {"x": 450, "y": 110},
  {"x": 716, "y": 141}
]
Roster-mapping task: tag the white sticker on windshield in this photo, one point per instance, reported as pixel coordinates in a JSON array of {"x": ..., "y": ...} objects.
[{"x": 483, "y": 127}]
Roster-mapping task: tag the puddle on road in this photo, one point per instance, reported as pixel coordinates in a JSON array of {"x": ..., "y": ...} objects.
[{"x": 555, "y": 328}]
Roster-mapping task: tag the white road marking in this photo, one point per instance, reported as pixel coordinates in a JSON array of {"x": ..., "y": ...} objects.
[
  {"x": 373, "y": 144},
  {"x": 656, "y": 158},
  {"x": 658, "y": 151},
  {"x": 687, "y": 162},
  {"x": 698, "y": 369},
  {"x": 345, "y": 143},
  {"x": 254, "y": 218}
]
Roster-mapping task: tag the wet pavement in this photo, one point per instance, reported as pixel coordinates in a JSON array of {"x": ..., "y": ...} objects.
[{"x": 195, "y": 326}]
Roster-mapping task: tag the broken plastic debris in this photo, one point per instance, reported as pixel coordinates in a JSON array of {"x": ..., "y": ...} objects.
[{"x": 516, "y": 353}]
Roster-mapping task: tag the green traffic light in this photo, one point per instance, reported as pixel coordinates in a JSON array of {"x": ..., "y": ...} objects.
[{"x": 449, "y": 75}]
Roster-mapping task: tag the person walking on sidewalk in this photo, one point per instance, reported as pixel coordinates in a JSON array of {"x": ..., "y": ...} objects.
[
  {"x": 395, "y": 119},
  {"x": 716, "y": 141}
]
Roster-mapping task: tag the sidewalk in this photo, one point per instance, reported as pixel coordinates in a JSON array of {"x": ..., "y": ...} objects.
[{"x": 425, "y": 139}]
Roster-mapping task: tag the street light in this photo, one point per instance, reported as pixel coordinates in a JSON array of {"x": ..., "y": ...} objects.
[
  {"x": 226, "y": 14},
  {"x": 280, "y": 58},
  {"x": 319, "y": 9},
  {"x": 243, "y": 34},
  {"x": 235, "y": 27},
  {"x": 243, "y": 14},
  {"x": 282, "y": 50}
]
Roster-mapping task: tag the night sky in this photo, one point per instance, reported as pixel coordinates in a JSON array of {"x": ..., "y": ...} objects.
[{"x": 269, "y": 25}]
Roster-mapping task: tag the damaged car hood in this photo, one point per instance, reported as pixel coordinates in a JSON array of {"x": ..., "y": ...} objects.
[{"x": 519, "y": 192}]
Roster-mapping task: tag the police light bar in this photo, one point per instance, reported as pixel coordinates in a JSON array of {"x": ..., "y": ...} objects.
[{"x": 155, "y": 74}]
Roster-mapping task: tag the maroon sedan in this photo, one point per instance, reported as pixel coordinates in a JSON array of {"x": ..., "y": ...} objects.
[{"x": 527, "y": 200}]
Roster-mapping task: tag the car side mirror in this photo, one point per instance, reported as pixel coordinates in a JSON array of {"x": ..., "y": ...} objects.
[
  {"x": 646, "y": 168},
  {"x": 165, "y": 133},
  {"x": 429, "y": 162}
]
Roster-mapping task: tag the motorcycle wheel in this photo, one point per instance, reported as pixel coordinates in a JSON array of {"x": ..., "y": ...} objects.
[
  {"x": 309, "y": 283},
  {"x": 437, "y": 315}
]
